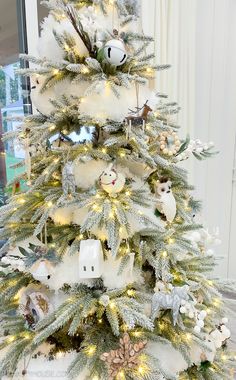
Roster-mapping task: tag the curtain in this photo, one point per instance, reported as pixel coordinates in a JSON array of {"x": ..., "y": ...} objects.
[{"x": 198, "y": 38}]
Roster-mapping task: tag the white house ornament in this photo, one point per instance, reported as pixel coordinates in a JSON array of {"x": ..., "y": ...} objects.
[
  {"x": 164, "y": 300},
  {"x": 115, "y": 52},
  {"x": 166, "y": 201},
  {"x": 169, "y": 143},
  {"x": 90, "y": 259},
  {"x": 111, "y": 181}
]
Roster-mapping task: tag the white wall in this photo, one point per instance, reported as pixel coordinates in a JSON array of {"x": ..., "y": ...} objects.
[{"x": 198, "y": 37}]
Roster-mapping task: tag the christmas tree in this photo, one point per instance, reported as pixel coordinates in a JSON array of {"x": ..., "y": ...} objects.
[{"x": 106, "y": 273}]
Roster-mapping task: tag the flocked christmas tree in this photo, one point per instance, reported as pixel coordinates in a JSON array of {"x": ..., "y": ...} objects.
[{"x": 104, "y": 267}]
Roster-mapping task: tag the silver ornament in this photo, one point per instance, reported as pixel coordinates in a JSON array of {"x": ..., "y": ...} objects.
[
  {"x": 68, "y": 179},
  {"x": 171, "y": 300}
]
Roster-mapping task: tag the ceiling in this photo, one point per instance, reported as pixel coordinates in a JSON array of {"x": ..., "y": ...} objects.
[{"x": 9, "y": 43}]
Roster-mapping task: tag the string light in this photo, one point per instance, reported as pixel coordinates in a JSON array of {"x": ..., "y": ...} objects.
[
  {"x": 66, "y": 47},
  {"x": 164, "y": 254},
  {"x": 59, "y": 354},
  {"x": 104, "y": 150},
  {"x": 141, "y": 370},
  {"x": 27, "y": 336},
  {"x": 85, "y": 70},
  {"x": 90, "y": 351},
  {"x": 100, "y": 321},
  {"x": 55, "y": 72},
  {"x": 122, "y": 154},
  {"x": 121, "y": 375},
  {"x": 52, "y": 128},
  {"x": 131, "y": 292},
  {"x": 224, "y": 357},
  {"x": 188, "y": 336},
  {"x": 128, "y": 193},
  {"x": 22, "y": 200},
  {"x": 137, "y": 334},
  {"x": 49, "y": 204},
  {"x": 11, "y": 339},
  {"x": 95, "y": 378},
  {"x": 112, "y": 305},
  {"x": 81, "y": 236},
  {"x": 171, "y": 241},
  {"x": 216, "y": 302}
]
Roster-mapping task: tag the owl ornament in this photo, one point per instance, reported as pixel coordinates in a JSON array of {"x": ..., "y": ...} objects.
[
  {"x": 166, "y": 204},
  {"x": 111, "y": 181}
]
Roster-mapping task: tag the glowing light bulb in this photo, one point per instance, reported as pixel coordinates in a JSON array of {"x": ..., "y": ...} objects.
[
  {"x": 55, "y": 72},
  {"x": 91, "y": 350},
  {"x": 11, "y": 339},
  {"x": 112, "y": 305},
  {"x": 85, "y": 70},
  {"x": 131, "y": 292},
  {"x": 164, "y": 254}
]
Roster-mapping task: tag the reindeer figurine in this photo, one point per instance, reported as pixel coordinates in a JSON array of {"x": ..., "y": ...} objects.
[{"x": 136, "y": 119}]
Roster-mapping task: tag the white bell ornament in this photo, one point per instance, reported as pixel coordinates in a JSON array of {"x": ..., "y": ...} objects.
[
  {"x": 42, "y": 270},
  {"x": 115, "y": 52}
]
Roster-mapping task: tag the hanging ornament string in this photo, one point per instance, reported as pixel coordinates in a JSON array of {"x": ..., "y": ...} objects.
[
  {"x": 113, "y": 16},
  {"x": 27, "y": 157},
  {"x": 26, "y": 365},
  {"x": 45, "y": 235},
  {"x": 137, "y": 93}
]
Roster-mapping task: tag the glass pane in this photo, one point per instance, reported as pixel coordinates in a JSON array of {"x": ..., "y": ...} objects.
[{"x": 11, "y": 100}]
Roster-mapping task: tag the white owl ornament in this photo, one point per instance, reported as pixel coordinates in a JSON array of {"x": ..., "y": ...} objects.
[
  {"x": 111, "y": 181},
  {"x": 166, "y": 201}
]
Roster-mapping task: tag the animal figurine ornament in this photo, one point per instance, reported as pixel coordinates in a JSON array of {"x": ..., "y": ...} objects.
[
  {"x": 166, "y": 204},
  {"x": 111, "y": 181},
  {"x": 169, "y": 300},
  {"x": 68, "y": 179},
  {"x": 137, "y": 120}
]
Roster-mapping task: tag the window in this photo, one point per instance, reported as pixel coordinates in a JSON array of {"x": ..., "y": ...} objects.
[{"x": 11, "y": 89}]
